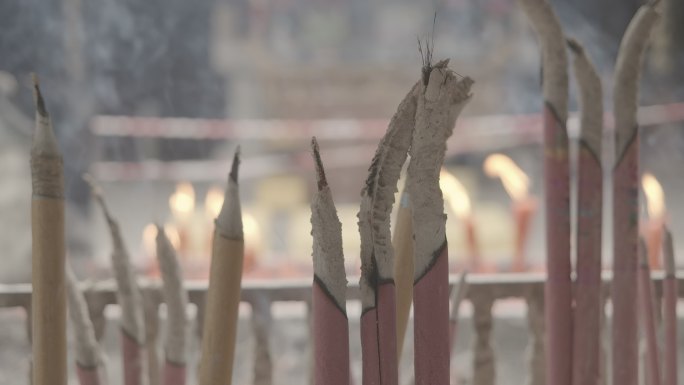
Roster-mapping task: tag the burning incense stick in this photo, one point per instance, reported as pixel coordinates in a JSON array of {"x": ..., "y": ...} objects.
[
  {"x": 128, "y": 296},
  {"x": 330, "y": 325},
  {"x": 48, "y": 303},
  {"x": 587, "y": 324},
  {"x": 648, "y": 316},
  {"x": 440, "y": 102},
  {"x": 670, "y": 312},
  {"x": 625, "y": 197},
  {"x": 378, "y": 319},
  {"x": 558, "y": 288},
  {"x": 176, "y": 299},
  {"x": 223, "y": 296},
  {"x": 90, "y": 366},
  {"x": 459, "y": 293},
  {"x": 402, "y": 243}
]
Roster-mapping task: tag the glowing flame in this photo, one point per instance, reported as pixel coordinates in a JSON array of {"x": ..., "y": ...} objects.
[
  {"x": 149, "y": 236},
  {"x": 455, "y": 194},
  {"x": 515, "y": 181},
  {"x": 655, "y": 197},
  {"x": 182, "y": 201},
  {"x": 213, "y": 202}
]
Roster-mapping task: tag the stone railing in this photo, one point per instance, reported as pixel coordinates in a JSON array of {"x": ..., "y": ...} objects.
[{"x": 483, "y": 292}]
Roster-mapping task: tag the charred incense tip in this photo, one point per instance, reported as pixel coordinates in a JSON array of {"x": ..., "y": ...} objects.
[
  {"x": 668, "y": 252},
  {"x": 575, "y": 46},
  {"x": 320, "y": 172},
  {"x": 38, "y": 97},
  {"x": 235, "y": 166}
]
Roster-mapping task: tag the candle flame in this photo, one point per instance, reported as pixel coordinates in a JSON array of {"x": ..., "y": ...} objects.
[
  {"x": 182, "y": 201},
  {"x": 455, "y": 193},
  {"x": 515, "y": 181},
  {"x": 655, "y": 197},
  {"x": 213, "y": 202}
]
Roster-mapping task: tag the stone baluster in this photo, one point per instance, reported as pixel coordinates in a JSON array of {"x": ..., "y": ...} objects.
[
  {"x": 537, "y": 327},
  {"x": 484, "y": 370},
  {"x": 200, "y": 303},
  {"x": 261, "y": 326},
  {"x": 151, "y": 305}
]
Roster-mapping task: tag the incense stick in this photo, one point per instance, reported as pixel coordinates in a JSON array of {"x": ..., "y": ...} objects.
[
  {"x": 402, "y": 243},
  {"x": 587, "y": 321},
  {"x": 330, "y": 325},
  {"x": 128, "y": 296},
  {"x": 558, "y": 288},
  {"x": 48, "y": 303},
  {"x": 439, "y": 104},
  {"x": 223, "y": 296},
  {"x": 670, "y": 312},
  {"x": 176, "y": 298},
  {"x": 625, "y": 197},
  {"x": 648, "y": 316},
  {"x": 90, "y": 366},
  {"x": 378, "y": 300}
]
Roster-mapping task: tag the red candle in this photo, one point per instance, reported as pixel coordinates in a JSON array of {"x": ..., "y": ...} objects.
[
  {"x": 523, "y": 212},
  {"x": 652, "y": 228},
  {"x": 457, "y": 196},
  {"x": 516, "y": 183}
]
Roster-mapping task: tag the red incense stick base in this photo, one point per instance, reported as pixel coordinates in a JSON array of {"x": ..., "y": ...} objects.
[
  {"x": 88, "y": 376},
  {"x": 431, "y": 323},
  {"x": 133, "y": 355},
  {"x": 173, "y": 374},
  {"x": 331, "y": 336}
]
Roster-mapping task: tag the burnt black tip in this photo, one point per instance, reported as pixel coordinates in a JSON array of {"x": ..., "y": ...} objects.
[
  {"x": 38, "y": 96},
  {"x": 236, "y": 165},
  {"x": 320, "y": 172},
  {"x": 575, "y": 46}
]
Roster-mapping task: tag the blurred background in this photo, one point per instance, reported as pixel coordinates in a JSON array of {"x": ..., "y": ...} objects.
[{"x": 153, "y": 97}]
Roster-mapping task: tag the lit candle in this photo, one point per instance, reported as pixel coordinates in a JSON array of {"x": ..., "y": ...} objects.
[
  {"x": 652, "y": 228},
  {"x": 459, "y": 202},
  {"x": 182, "y": 205},
  {"x": 517, "y": 185}
]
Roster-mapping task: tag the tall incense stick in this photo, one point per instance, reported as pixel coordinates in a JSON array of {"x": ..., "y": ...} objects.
[
  {"x": 223, "y": 296},
  {"x": 587, "y": 325},
  {"x": 440, "y": 102},
  {"x": 48, "y": 302},
  {"x": 402, "y": 242},
  {"x": 176, "y": 298},
  {"x": 330, "y": 325},
  {"x": 129, "y": 298},
  {"x": 648, "y": 316},
  {"x": 626, "y": 198},
  {"x": 378, "y": 319},
  {"x": 90, "y": 366},
  {"x": 558, "y": 288},
  {"x": 670, "y": 312}
]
